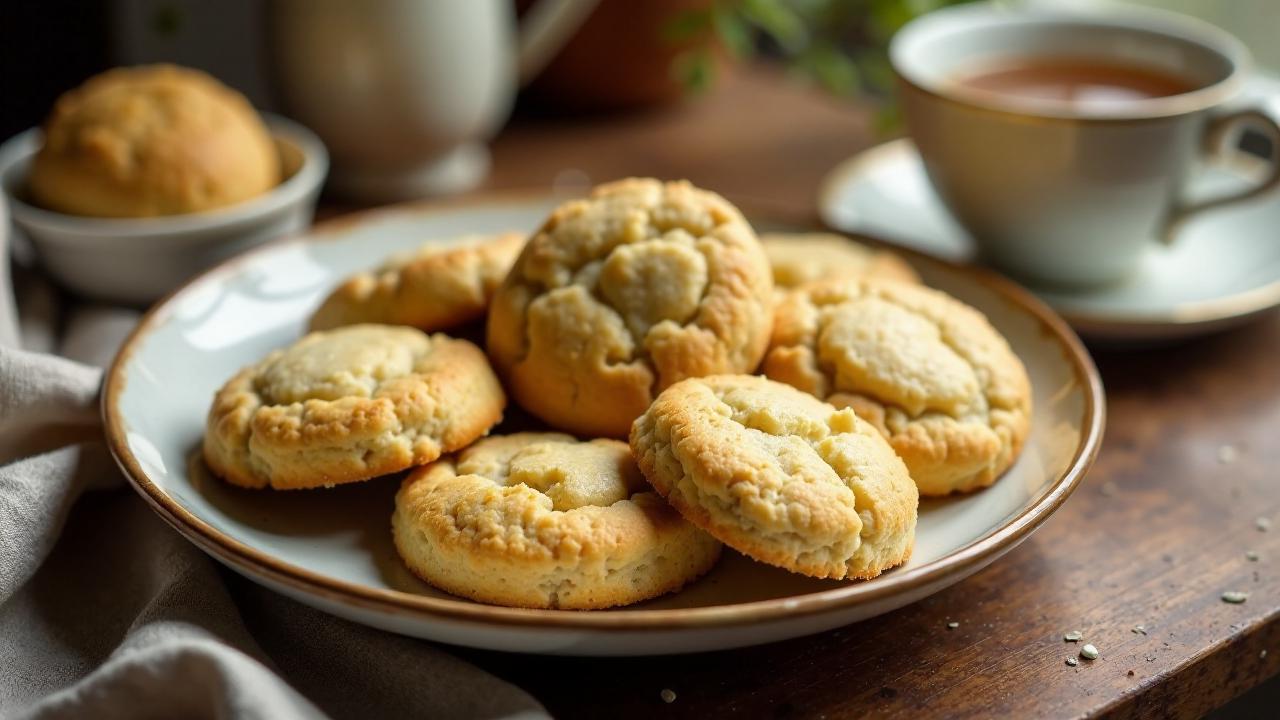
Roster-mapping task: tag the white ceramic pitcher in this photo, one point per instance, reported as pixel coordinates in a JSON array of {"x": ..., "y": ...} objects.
[{"x": 407, "y": 92}]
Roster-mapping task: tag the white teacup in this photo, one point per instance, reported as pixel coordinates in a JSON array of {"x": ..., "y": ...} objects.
[{"x": 1062, "y": 194}]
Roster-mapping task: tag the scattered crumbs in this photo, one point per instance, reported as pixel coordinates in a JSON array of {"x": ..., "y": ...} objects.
[
  {"x": 1109, "y": 489},
  {"x": 1251, "y": 556},
  {"x": 1089, "y": 652},
  {"x": 1072, "y": 662},
  {"x": 1263, "y": 524},
  {"x": 1139, "y": 630},
  {"x": 1073, "y": 636},
  {"x": 668, "y": 695},
  {"x": 1227, "y": 454},
  {"x": 953, "y": 625},
  {"x": 1130, "y": 673},
  {"x": 1235, "y": 597}
]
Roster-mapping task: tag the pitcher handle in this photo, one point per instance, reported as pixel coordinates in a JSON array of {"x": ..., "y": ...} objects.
[{"x": 545, "y": 29}]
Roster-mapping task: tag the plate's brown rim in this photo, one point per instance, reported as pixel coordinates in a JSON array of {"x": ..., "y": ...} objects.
[
  {"x": 254, "y": 562},
  {"x": 1236, "y": 306}
]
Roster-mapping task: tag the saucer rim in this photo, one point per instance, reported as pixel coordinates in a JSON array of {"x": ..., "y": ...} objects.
[{"x": 1185, "y": 318}]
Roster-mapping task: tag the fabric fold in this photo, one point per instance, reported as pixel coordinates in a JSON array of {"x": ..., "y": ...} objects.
[{"x": 106, "y": 612}]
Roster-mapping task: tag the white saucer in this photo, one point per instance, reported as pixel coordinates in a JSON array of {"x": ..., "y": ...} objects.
[{"x": 1223, "y": 269}]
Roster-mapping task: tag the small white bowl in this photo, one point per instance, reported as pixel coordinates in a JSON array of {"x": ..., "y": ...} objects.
[{"x": 138, "y": 260}]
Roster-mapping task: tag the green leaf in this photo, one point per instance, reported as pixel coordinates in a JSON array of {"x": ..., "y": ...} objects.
[
  {"x": 733, "y": 32},
  {"x": 876, "y": 72},
  {"x": 834, "y": 70},
  {"x": 887, "y": 120},
  {"x": 687, "y": 26},
  {"x": 695, "y": 70},
  {"x": 778, "y": 20}
]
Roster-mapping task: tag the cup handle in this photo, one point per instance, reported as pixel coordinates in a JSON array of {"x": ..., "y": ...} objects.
[{"x": 1218, "y": 137}]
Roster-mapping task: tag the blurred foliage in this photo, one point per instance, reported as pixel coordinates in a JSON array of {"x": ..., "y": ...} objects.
[{"x": 839, "y": 45}]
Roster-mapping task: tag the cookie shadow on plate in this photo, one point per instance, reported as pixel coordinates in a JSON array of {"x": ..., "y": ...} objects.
[{"x": 360, "y": 511}]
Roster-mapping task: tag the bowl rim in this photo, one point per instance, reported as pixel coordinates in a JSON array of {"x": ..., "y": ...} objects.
[
  {"x": 259, "y": 564},
  {"x": 69, "y": 229}
]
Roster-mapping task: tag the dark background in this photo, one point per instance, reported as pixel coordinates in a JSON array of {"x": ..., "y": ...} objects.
[{"x": 46, "y": 48}]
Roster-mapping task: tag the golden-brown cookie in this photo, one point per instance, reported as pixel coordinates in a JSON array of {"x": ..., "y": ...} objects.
[
  {"x": 801, "y": 258},
  {"x": 779, "y": 475},
  {"x": 623, "y": 293},
  {"x": 542, "y": 520},
  {"x": 152, "y": 140},
  {"x": 439, "y": 286},
  {"x": 350, "y": 404},
  {"x": 927, "y": 370}
]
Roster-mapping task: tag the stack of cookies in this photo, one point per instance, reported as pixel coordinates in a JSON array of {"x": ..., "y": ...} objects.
[{"x": 640, "y": 313}]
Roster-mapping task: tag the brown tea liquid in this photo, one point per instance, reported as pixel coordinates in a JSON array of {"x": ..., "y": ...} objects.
[{"x": 1077, "y": 83}]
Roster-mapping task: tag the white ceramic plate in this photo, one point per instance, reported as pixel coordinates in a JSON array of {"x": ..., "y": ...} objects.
[
  {"x": 332, "y": 548},
  {"x": 1223, "y": 269}
]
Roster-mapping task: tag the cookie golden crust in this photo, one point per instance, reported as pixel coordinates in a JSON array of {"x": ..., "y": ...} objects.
[
  {"x": 623, "y": 293},
  {"x": 348, "y": 405},
  {"x": 927, "y": 370},
  {"x": 541, "y": 520},
  {"x": 801, "y": 258},
  {"x": 152, "y": 140},
  {"x": 779, "y": 475},
  {"x": 441, "y": 285}
]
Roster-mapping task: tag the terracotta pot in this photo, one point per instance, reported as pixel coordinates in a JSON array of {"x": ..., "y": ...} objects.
[{"x": 620, "y": 58}]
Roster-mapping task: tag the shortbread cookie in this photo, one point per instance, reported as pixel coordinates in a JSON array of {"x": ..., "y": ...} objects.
[
  {"x": 619, "y": 295},
  {"x": 927, "y": 370},
  {"x": 779, "y": 475},
  {"x": 801, "y": 258},
  {"x": 441, "y": 285},
  {"x": 542, "y": 520},
  {"x": 350, "y": 404}
]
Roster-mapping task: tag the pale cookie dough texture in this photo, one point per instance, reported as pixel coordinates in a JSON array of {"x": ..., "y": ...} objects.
[
  {"x": 541, "y": 520},
  {"x": 623, "y": 293},
  {"x": 440, "y": 286},
  {"x": 348, "y": 405},
  {"x": 927, "y": 370},
  {"x": 152, "y": 140},
  {"x": 779, "y": 475},
  {"x": 801, "y": 258}
]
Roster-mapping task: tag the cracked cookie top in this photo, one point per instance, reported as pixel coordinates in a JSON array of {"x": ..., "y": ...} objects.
[
  {"x": 779, "y": 475},
  {"x": 350, "y": 404},
  {"x": 544, "y": 520},
  {"x": 623, "y": 293},
  {"x": 927, "y": 370},
  {"x": 801, "y": 258},
  {"x": 440, "y": 285}
]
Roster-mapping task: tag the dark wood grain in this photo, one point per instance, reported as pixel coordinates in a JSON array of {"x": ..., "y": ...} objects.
[{"x": 1157, "y": 532}]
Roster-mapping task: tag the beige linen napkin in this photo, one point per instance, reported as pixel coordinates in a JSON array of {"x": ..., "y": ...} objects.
[{"x": 106, "y": 612}]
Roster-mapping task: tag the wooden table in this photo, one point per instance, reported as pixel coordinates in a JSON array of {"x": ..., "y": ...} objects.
[{"x": 1157, "y": 532}]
